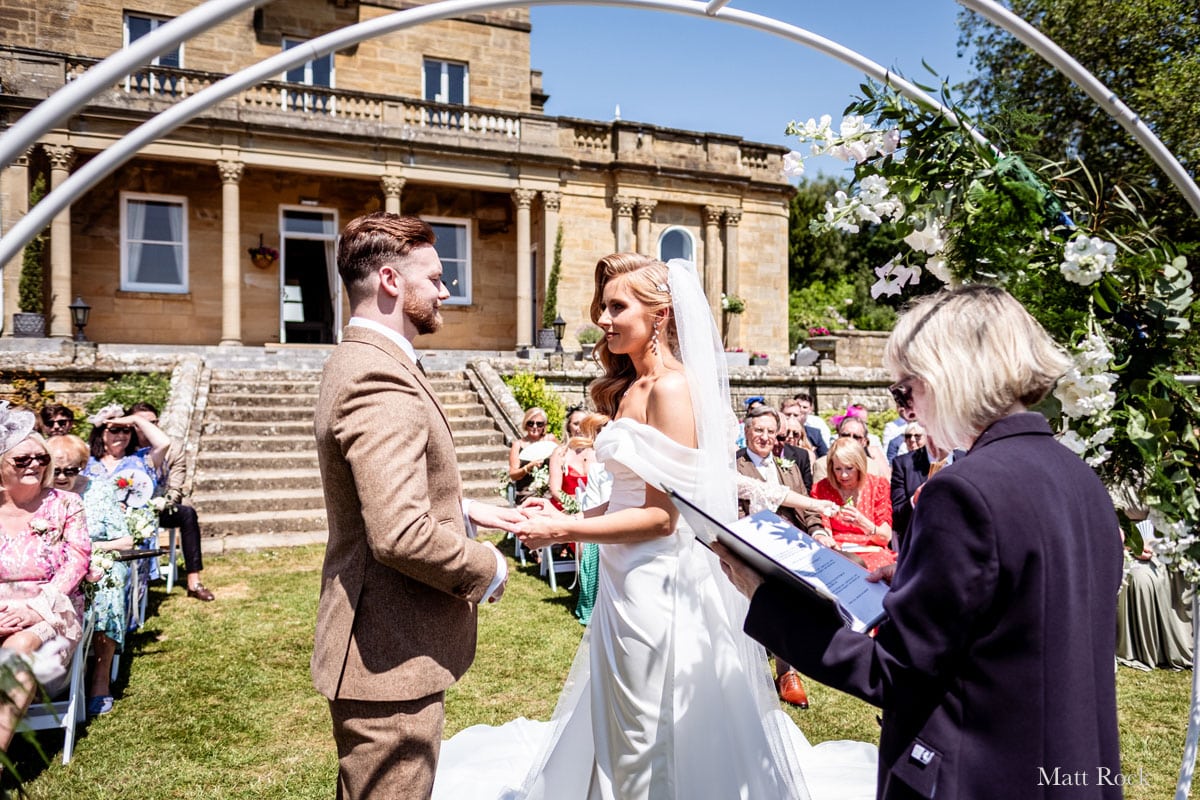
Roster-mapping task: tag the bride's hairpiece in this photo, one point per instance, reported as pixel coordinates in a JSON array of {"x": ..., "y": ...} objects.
[
  {"x": 15, "y": 425},
  {"x": 111, "y": 411},
  {"x": 662, "y": 287}
]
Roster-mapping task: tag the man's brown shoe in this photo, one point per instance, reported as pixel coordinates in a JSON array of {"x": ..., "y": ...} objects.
[
  {"x": 791, "y": 690},
  {"x": 200, "y": 593}
]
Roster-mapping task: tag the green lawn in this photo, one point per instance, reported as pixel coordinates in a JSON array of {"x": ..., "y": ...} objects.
[{"x": 216, "y": 701}]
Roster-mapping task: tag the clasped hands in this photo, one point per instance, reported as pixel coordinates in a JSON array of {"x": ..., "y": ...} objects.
[{"x": 14, "y": 618}]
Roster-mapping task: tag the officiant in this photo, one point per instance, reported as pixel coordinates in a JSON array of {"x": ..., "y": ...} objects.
[{"x": 994, "y": 666}]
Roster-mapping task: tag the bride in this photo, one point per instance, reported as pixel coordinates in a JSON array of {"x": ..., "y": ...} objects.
[{"x": 667, "y": 698}]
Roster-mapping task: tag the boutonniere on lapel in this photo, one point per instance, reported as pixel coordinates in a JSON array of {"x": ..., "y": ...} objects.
[
  {"x": 784, "y": 463},
  {"x": 45, "y": 529}
]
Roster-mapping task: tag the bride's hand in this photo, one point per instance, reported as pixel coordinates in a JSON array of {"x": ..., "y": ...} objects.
[
  {"x": 541, "y": 506},
  {"x": 539, "y": 531}
]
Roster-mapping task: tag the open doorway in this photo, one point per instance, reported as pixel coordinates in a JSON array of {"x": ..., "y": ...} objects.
[{"x": 310, "y": 294}]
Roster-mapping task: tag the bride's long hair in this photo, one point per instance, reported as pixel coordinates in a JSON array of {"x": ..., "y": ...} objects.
[{"x": 646, "y": 279}]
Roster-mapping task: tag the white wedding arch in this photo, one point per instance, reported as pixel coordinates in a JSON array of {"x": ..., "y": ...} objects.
[{"x": 61, "y": 105}]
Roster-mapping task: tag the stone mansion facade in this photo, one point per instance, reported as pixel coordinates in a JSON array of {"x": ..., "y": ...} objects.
[{"x": 445, "y": 120}]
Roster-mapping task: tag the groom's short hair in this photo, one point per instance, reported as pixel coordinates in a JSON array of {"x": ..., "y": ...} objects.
[{"x": 371, "y": 241}]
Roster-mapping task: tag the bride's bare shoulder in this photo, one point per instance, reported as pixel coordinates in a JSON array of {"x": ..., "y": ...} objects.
[{"x": 669, "y": 408}]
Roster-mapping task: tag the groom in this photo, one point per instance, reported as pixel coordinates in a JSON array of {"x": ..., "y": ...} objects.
[{"x": 401, "y": 579}]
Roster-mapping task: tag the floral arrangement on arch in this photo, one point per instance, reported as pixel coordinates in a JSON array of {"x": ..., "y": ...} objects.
[{"x": 1083, "y": 258}]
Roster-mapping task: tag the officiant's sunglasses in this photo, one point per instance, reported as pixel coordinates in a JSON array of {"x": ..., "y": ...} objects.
[
  {"x": 21, "y": 462},
  {"x": 902, "y": 393}
]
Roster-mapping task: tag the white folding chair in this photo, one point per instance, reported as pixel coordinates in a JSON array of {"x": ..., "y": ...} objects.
[
  {"x": 69, "y": 712},
  {"x": 172, "y": 568}
]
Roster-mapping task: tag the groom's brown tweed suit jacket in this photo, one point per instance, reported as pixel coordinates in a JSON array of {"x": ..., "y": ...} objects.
[{"x": 396, "y": 619}]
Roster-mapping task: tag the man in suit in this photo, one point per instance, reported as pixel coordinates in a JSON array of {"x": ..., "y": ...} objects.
[
  {"x": 401, "y": 580},
  {"x": 796, "y": 415},
  {"x": 757, "y": 461},
  {"x": 909, "y": 472}
]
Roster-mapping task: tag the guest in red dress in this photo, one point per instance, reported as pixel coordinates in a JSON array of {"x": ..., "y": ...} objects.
[
  {"x": 863, "y": 524},
  {"x": 569, "y": 464}
]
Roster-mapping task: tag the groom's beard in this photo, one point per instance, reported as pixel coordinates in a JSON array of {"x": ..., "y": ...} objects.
[{"x": 425, "y": 318}]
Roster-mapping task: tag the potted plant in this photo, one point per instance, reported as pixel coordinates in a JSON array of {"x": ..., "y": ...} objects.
[
  {"x": 588, "y": 335},
  {"x": 262, "y": 256},
  {"x": 759, "y": 359},
  {"x": 546, "y": 339},
  {"x": 731, "y": 306},
  {"x": 824, "y": 342},
  {"x": 30, "y": 321},
  {"x": 736, "y": 357}
]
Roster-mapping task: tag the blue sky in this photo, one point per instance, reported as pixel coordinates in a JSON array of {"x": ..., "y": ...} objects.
[{"x": 700, "y": 74}]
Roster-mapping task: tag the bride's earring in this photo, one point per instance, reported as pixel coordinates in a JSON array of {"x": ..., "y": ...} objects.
[{"x": 654, "y": 339}]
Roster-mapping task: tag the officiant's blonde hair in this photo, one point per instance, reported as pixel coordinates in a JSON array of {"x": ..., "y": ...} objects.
[
  {"x": 646, "y": 279},
  {"x": 979, "y": 353}
]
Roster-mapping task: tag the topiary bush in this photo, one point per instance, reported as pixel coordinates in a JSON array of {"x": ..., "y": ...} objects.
[{"x": 529, "y": 390}]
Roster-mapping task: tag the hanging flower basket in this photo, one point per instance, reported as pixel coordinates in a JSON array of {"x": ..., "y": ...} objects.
[{"x": 262, "y": 256}]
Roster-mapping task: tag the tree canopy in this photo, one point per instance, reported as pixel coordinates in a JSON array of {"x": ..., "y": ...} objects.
[{"x": 1146, "y": 51}]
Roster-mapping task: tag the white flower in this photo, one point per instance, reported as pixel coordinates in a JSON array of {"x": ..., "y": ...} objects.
[
  {"x": 853, "y": 125},
  {"x": 1093, "y": 353},
  {"x": 784, "y": 463},
  {"x": 793, "y": 165},
  {"x": 157, "y": 503},
  {"x": 1085, "y": 395},
  {"x": 936, "y": 266},
  {"x": 890, "y": 141},
  {"x": 1073, "y": 442},
  {"x": 39, "y": 525},
  {"x": 894, "y": 276},
  {"x": 931, "y": 239},
  {"x": 1086, "y": 259}
]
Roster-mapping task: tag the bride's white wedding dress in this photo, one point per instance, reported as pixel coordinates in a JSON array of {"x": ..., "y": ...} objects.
[{"x": 666, "y": 697}]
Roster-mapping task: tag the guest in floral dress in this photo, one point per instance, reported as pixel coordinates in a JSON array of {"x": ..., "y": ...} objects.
[
  {"x": 44, "y": 554},
  {"x": 120, "y": 442},
  {"x": 109, "y": 531}
]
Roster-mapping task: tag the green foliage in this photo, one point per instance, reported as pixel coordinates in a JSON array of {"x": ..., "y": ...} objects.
[
  {"x": 30, "y": 391},
  {"x": 133, "y": 387},
  {"x": 589, "y": 334},
  {"x": 1148, "y": 53},
  {"x": 31, "y": 296},
  {"x": 550, "y": 307},
  {"x": 529, "y": 390}
]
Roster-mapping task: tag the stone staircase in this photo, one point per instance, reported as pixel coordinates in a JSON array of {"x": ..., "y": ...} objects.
[{"x": 256, "y": 475}]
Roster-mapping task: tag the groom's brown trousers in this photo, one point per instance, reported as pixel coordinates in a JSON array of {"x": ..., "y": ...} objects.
[{"x": 387, "y": 750}]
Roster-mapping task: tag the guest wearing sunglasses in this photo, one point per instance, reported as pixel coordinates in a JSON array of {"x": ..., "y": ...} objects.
[
  {"x": 520, "y": 470},
  {"x": 44, "y": 557},
  {"x": 177, "y": 514},
  {"x": 108, "y": 530},
  {"x": 910, "y": 470},
  {"x": 122, "y": 441},
  {"x": 56, "y": 419}
]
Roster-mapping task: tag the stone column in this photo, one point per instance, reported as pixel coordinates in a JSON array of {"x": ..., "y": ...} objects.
[
  {"x": 732, "y": 217},
  {"x": 523, "y": 199},
  {"x": 623, "y": 205},
  {"x": 14, "y": 204},
  {"x": 231, "y": 250},
  {"x": 551, "y": 202},
  {"x": 392, "y": 186},
  {"x": 645, "y": 212},
  {"x": 61, "y": 158},
  {"x": 713, "y": 263}
]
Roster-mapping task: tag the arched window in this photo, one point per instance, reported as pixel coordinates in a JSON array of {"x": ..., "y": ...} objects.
[{"x": 676, "y": 243}]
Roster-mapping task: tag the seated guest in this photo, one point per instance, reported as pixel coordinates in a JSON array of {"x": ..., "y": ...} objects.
[
  {"x": 796, "y": 433},
  {"x": 1154, "y": 613},
  {"x": 108, "y": 530},
  {"x": 852, "y": 426},
  {"x": 45, "y": 555},
  {"x": 175, "y": 514},
  {"x": 570, "y": 462},
  {"x": 596, "y": 490},
  {"x": 520, "y": 470},
  {"x": 909, "y": 472},
  {"x": 758, "y": 462},
  {"x": 863, "y": 521},
  {"x": 55, "y": 420},
  {"x": 813, "y": 422},
  {"x": 894, "y": 442}
]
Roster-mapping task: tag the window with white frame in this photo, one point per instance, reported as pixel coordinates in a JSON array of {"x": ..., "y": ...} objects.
[
  {"x": 454, "y": 249},
  {"x": 150, "y": 80},
  {"x": 446, "y": 82},
  {"x": 676, "y": 243},
  {"x": 318, "y": 72},
  {"x": 154, "y": 253}
]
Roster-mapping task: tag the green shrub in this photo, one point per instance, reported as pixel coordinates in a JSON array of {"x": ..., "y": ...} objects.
[
  {"x": 589, "y": 334},
  {"x": 134, "y": 387},
  {"x": 550, "y": 307},
  {"x": 31, "y": 297},
  {"x": 529, "y": 390}
]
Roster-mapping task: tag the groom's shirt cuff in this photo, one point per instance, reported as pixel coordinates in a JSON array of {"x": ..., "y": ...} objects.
[{"x": 501, "y": 574}]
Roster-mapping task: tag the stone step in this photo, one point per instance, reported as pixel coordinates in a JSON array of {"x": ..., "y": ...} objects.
[
  {"x": 230, "y": 443},
  {"x": 261, "y": 413},
  {"x": 262, "y": 386},
  {"x": 254, "y": 400},
  {"x": 215, "y": 481},
  {"x": 258, "y": 428},
  {"x": 240, "y": 502},
  {"x": 236, "y": 461},
  {"x": 454, "y": 410},
  {"x": 292, "y": 520},
  {"x": 312, "y": 376},
  {"x": 482, "y": 470},
  {"x": 469, "y": 438}
]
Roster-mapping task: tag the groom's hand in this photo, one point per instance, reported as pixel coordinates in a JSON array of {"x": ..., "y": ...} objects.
[{"x": 500, "y": 517}]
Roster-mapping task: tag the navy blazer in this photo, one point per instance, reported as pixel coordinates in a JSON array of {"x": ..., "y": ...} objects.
[
  {"x": 994, "y": 667},
  {"x": 909, "y": 471},
  {"x": 818, "y": 443}
]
